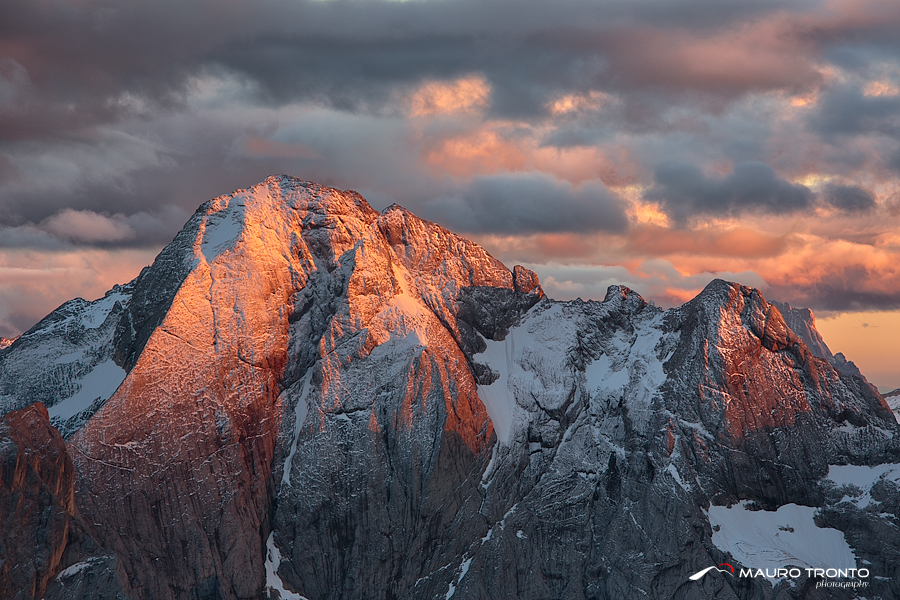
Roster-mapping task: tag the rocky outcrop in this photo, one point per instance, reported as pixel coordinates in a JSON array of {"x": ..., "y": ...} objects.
[
  {"x": 36, "y": 502},
  {"x": 45, "y": 550},
  {"x": 802, "y": 322},
  {"x": 314, "y": 399}
]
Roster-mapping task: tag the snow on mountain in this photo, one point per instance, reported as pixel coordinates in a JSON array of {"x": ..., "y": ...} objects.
[
  {"x": 893, "y": 400},
  {"x": 772, "y": 540},
  {"x": 67, "y": 358}
]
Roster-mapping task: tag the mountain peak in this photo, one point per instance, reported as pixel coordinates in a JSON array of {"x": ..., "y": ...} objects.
[{"x": 301, "y": 387}]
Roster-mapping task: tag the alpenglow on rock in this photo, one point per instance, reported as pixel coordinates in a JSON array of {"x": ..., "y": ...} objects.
[{"x": 305, "y": 398}]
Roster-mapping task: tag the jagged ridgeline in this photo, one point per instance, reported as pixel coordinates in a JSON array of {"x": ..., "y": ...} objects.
[{"x": 305, "y": 398}]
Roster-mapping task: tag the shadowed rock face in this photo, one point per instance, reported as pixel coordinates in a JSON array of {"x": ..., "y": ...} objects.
[
  {"x": 36, "y": 502},
  {"x": 45, "y": 551},
  {"x": 318, "y": 399}
]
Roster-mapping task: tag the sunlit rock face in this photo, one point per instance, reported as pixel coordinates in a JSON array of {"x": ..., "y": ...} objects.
[
  {"x": 304, "y": 397},
  {"x": 803, "y": 323}
]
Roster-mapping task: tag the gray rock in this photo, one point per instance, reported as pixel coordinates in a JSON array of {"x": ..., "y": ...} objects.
[{"x": 322, "y": 401}]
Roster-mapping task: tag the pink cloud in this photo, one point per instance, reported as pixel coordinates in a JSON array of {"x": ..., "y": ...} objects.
[
  {"x": 34, "y": 283},
  {"x": 762, "y": 55},
  {"x": 88, "y": 226}
]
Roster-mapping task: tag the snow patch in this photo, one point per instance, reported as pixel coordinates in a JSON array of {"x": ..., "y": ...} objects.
[
  {"x": 222, "y": 230},
  {"x": 863, "y": 478},
  {"x": 96, "y": 312},
  {"x": 300, "y": 410},
  {"x": 542, "y": 329},
  {"x": 102, "y": 382},
  {"x": 463, "y": 569},
  {"x": 488, "y": 476},
  {"x": 497, "y": 398},
  {"x": 408, "y": 317},
  {"x": 77, "y": 568},
  {"x": 273, "y": 581},
  {"x": 599, "y": 375},
  {"x": 676, "y": 476},
  {"x": 760, "y": 539},
  {"x": 70, "y": 357},
  {"x": 894, "y": 403},
  {"x": 629, "y": 369}
]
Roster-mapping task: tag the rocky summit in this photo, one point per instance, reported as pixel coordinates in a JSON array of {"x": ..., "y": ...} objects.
[{"x": 305, "y": 398}]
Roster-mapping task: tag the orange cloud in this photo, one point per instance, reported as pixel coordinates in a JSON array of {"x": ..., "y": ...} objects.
[
  {"x": 765, "y": 54},
  {"x": 575, "y": 103},
  {"x": 476, "y": 152},
  {"x": 803, "y": 100},
  {"x": 653, "y": 240},
  {"x": 498, "y": 146},
  {"x": 465, "y": 95},
  {"x": 883, "y": 87}
]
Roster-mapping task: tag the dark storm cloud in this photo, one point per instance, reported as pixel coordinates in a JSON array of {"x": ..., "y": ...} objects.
[
  {"x": 684, "y": 190},
  {"x": 851, "y": 288},
  {"x": 893, "y": 161},
  {"x": 847, "y": 111},
  {"x": 351, "y": 53},
  {"x": 849, "y": 198},
  {"x": 72, "y": 71},
  {"x": 78, "y": 59},
  {"x": 530, "y": 203}
]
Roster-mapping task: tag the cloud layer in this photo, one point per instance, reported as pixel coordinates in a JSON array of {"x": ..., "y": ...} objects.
[{"x": 658, "y": 144}]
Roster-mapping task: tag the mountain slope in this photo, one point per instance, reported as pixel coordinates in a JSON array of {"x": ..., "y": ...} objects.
[{"x": 304, "y": 396}]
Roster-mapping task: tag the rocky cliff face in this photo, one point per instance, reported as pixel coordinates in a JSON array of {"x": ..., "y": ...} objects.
[
  {"x": 45, "y": 545},
  {"x": 304, "y": 397},
  {"x": 802, "y": 322},
  {"x": 36, "y": 501}
]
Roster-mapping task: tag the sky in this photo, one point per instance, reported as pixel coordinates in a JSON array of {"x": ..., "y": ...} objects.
[{"x": 653, "y": 143}]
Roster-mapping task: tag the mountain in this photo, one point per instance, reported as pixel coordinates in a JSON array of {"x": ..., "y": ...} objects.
[
  {"x": 305, "y": 398},
  {"x": 802, "y": 322}
]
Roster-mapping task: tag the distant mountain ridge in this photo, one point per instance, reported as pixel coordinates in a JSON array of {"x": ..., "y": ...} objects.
[
  {"x": 803, "y": 323},
  {"x": 304, "y": 397}
]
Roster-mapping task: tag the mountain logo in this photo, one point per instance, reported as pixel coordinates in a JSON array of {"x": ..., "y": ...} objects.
[{"x": 699, "y": 574}]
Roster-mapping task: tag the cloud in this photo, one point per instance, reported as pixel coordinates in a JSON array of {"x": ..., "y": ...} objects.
[
  {"x": 463, "y": 95},
  {"x": 846, "y": 110},
  {"x": 849, "y": 198},
  {"x": 69, "y": 229},
  {"x": 653, "y": 240},
  {"x": 258, "y": 146},
  {"x": 606, "y": 133},
  {"x": 531, "y": 202},
  {"x": 29, "y": 236},
  {"x": 577, "y": 103},
  {"x": 91, "y": 64},
  {"x": 761, "y": 54},
  {"x": 33, "y": 283},
  {"x": 47, "y": 174},
  {"x": 15, "y": 86},
  {"x": 683, "y": 191},
  {"x": 88, "y": 226}
]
